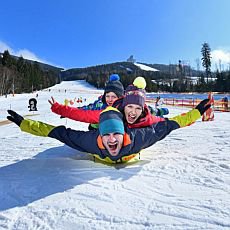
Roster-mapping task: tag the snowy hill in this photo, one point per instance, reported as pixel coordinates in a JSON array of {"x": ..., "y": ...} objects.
[
  {"x": 182, "y": 182},
  {"x": 145, "y": 67}
]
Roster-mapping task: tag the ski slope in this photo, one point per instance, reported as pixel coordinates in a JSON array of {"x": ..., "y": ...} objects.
[{"x": 182, "y": 182}]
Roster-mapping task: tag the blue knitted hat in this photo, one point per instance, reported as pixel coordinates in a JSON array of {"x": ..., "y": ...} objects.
[{"x": 111, "y": 121}]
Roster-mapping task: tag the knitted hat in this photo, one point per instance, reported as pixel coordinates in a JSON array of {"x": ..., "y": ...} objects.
[
  {"x": 111, "y": 121},
  {"x": 135, "y": 94},
  {"x": 114, "y": 85}
]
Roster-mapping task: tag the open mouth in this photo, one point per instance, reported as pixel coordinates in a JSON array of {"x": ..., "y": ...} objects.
[
  {"x": 131, "y": 118},
  {"x": 113, "y": 147}
]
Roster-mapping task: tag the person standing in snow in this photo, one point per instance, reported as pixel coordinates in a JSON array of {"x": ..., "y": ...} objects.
[
  {"x": 225, "y": 103},
  {"x": 112, "y": 142}
]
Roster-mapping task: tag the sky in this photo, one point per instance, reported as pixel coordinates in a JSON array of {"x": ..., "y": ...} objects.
[
  {"x": 181, "y": 182},
  {"x": 83, "y": 33}
]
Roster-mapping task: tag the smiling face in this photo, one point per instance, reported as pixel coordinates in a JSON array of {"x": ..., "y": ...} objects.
[
  {"x": 110, "y": 98},
  {"x": 132, "y": 113},
  {"x": 113, "y": 143}
]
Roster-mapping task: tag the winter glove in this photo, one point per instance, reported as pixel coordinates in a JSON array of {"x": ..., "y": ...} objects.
[
  {"x": 14, "y": 117},
  {"x": 203, "y": 106}
]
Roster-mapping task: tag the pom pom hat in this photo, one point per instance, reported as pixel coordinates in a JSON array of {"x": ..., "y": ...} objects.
[
  {"x": 114, "y": 77},
  {"x": 139, "y": 82},
  {"x": 114, "y": 85},
  {"x": 111, "y": 121},
  {"x": 135, "y": 94}
]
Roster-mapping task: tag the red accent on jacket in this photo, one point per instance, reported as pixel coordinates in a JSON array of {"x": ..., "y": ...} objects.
[
  {"x": 92, "y": 116},
  {"x": 88, "y": 116}
]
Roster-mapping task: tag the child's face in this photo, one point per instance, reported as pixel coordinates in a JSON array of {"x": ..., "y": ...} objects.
[
  {"x": 110, "y": 98},
  {"x": 132, "y": 113}
]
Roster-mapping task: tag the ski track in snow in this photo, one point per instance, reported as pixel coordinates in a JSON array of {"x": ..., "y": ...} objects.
[{"x": 183, "y": 181}]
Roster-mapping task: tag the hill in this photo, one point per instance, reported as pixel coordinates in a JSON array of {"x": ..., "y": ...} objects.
[
  {"x": 23, "y": 75},
  {"x": 20, "y": 75},
  {"x": 154, "y": 71}
]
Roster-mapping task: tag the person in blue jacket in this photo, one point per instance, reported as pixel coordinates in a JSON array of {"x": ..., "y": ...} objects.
[
  {"x": 113, "y": 90},
  {"x": 112, "y": 142}
]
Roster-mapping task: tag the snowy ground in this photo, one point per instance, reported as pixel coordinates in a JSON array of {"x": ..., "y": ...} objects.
[{"x": 182, "y": 183}]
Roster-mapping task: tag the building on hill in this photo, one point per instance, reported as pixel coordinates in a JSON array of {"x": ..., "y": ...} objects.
[{"x": 131, "y": 59}]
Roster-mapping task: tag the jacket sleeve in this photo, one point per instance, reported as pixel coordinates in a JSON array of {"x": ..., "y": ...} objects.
[
  {"x": 145, "y": 137},
  {"x": 36, "y": 127},
  {"x": 88, "y": 116},
  {"x": 85, "y": 141},
  {"x": 187, "y": 119},
  {"x": 75, "y": 139}
]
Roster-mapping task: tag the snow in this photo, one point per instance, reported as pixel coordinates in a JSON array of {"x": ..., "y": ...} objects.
[
  {"x": 145, "y": 67},
  {"x": 182, "y": 182}
]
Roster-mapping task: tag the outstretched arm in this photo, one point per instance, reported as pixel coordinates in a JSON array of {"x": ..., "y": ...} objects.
[
  {"x": 145, "y": 137},
  {"x": 193, "y": 115},
  {"x": 88, "y": 116},
  {"x": 76, "y": 139},
  {"x": 34, "y": 127}
]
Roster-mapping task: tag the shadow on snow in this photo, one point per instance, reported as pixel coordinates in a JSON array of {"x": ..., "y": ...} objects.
[{"x": 52, "y": 171}]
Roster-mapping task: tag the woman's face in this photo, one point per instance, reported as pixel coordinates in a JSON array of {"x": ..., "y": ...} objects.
[
  {"x": 110, "y": 98},
  {"x": 132, "y": 113}
]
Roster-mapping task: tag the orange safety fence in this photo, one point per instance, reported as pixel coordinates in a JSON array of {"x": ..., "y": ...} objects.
[{"x": 218, "y": 104}]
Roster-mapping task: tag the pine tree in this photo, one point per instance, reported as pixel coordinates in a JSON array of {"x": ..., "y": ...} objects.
[
  {"x": 206, "y": 59},
  {"x": 6, "y": 59}
]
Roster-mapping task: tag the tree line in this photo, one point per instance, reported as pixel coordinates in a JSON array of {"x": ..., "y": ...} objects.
[
  {"x": 172, "y": 78},
  {"x": 18, "y": 75}
]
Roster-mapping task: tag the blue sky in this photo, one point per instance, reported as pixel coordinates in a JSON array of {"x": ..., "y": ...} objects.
[{"x": 81, "y": 33}]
